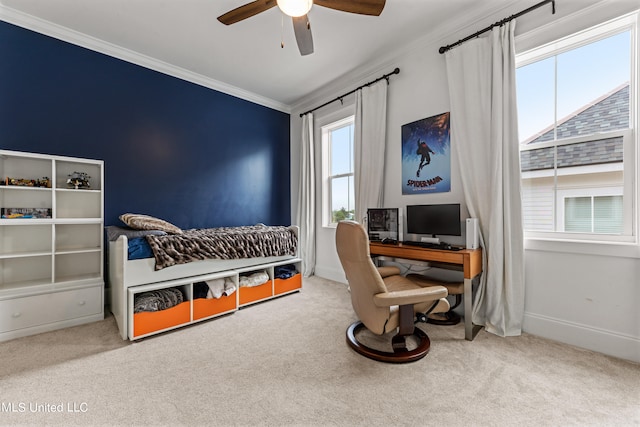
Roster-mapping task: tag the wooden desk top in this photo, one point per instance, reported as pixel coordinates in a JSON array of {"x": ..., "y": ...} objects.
[{"x": 469, "y": 259}]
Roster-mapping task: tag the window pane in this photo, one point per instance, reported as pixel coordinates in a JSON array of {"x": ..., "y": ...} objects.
[
  {"x": 577, "y": 101},
  {"x": 577, "y": 214},
  {"x": 342, "y": 199},
  {"x": 608, "y": 214},
  {"x": 593, "y": 80},
  {"x": 535, "y": 93},
  {"x": 342, "y": 150}
]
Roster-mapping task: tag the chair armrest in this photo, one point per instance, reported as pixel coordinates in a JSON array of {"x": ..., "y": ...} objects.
[
  {"x": 388, "y": 271},
  {"x": 409, "y": 296}
]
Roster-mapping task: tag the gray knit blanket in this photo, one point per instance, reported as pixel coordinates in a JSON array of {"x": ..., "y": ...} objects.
[
  {"x": 222, "y": 243},
  {"x": 157, "y": 300}
]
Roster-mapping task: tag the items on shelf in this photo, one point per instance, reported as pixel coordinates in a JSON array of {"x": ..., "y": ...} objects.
[
  {"x": 14, "y": 213},
  {"x": 44, "y": 182},
  {"x": 78, "y": 180}
]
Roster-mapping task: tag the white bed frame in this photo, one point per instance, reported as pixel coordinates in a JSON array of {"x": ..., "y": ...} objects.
[{"x": 125, "y": 274}]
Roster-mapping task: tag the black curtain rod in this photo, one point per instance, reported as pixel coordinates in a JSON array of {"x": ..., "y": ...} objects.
[
  {"x": 443, "y": 49},
  {"x": 339, "y": 98}
]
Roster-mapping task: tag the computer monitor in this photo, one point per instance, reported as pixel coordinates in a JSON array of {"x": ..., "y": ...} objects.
[
  {"x": 382, "y": 223},
  {"x": 440, "y": 219}
]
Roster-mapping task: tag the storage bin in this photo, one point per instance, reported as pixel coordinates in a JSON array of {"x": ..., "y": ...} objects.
[
  {"x": 254, "y": 293},
  {"x": 282, "y": 286},
  {"x": 207, "y": 307},
  {"x": 154, "y": 321}
]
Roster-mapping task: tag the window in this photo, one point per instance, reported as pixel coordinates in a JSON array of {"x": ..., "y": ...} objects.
[
  {"x": 593, "y": 214},
  {"x": 337, "y": 148},
  {"x": 577, "y": 142}
]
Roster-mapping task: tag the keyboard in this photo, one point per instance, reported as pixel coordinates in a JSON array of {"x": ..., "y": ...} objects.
[{"x": 442, "y": 246}]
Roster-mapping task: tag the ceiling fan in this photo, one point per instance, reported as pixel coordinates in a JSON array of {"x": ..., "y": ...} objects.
[{"x": 298, "y": 10}]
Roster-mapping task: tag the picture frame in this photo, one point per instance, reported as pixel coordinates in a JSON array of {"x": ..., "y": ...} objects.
[{"x": 426, "y": 155}]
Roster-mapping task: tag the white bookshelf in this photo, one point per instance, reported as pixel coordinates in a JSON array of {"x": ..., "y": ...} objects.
[{"x": 51, "y": 269}]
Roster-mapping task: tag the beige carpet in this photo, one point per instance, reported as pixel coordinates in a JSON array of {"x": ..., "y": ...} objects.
[{"x": 285, "y": 362}]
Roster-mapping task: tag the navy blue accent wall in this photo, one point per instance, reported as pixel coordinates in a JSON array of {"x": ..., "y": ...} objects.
[{"x": 172, "y": 149}]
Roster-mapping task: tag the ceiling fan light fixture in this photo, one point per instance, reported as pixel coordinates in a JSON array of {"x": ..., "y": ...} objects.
[{"x": 295, "y": 8}]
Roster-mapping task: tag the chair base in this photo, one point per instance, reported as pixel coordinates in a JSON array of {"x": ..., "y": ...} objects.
[
  {"x": 400, "y": 352},
  {"x": 448, "y": 318}
]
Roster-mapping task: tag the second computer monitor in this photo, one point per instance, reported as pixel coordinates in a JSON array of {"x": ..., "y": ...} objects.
[{"x": 434, "y": 220}]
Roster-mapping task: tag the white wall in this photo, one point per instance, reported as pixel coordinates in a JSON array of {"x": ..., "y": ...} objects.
[{"x": 586, "y": 295}]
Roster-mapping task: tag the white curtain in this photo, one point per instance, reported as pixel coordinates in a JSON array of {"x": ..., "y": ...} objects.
[
  {"x": 306, "y": 213},
  {"x": 484, "y": 132},
  {"x": 369, "y": 147}
]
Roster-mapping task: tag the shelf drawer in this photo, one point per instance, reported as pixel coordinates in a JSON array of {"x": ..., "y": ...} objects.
[
  {"x": 38, "y": 310},
  {"x": 207, "y": 307},
  {"x": 155, "y": 321},
  {"x": 249, "y": 294},
  {"x": 287, "y": 285}
]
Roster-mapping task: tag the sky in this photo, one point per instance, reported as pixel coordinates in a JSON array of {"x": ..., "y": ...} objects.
[{"x": 583, "y": 75}]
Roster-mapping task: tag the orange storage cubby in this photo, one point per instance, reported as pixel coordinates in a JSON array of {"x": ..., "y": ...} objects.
[
  {"x": 207, "y": 307},
  {"x": 154, "y": 321},
  {"x": 287, "y": 285},
  {"x": 250, "y": 294}
]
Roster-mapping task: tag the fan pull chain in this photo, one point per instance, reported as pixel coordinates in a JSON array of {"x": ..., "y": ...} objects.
[{"x": 282, "y": 31}]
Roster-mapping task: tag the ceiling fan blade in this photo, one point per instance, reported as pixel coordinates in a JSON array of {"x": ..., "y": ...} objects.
[
  {"x": 302, "y": 29},
  {"x": 246, "y": 11},
  {"x": 362, "y": 7}
]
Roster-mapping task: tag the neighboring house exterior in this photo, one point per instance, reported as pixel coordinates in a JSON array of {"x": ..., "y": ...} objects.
[{"x": 586, "y": 184}]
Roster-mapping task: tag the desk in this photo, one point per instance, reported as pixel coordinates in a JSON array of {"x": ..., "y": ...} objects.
[{"x": 468, "y": 260}]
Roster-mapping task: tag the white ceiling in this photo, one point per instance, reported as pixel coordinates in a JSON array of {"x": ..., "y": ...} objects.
[{"x": 185, "y": 34}]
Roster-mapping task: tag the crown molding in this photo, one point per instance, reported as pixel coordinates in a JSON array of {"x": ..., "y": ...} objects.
[{"x": 29, "y": 22}]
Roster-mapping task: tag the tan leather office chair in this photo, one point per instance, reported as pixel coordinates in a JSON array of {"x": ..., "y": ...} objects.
[{"x": 384, "y": 300}]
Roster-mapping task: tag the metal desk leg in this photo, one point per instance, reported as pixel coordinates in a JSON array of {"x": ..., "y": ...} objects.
[
  {"x": 470, "y": 330},
  {"x": 468, "y": 297}
]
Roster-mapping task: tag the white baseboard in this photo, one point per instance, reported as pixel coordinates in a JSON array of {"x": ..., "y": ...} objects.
[{"x": 600, "y": 340}]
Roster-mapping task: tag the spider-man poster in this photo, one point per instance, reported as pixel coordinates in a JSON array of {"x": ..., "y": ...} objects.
[{"x": 426, "y": 156}]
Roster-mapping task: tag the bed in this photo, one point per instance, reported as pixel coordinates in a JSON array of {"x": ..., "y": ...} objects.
[{"x": 129, "y": 276}]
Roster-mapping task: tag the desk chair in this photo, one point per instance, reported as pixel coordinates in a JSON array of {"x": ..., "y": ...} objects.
[
  {"x": 453, "y": 288},
  {"x": 384, "y": 300}
]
